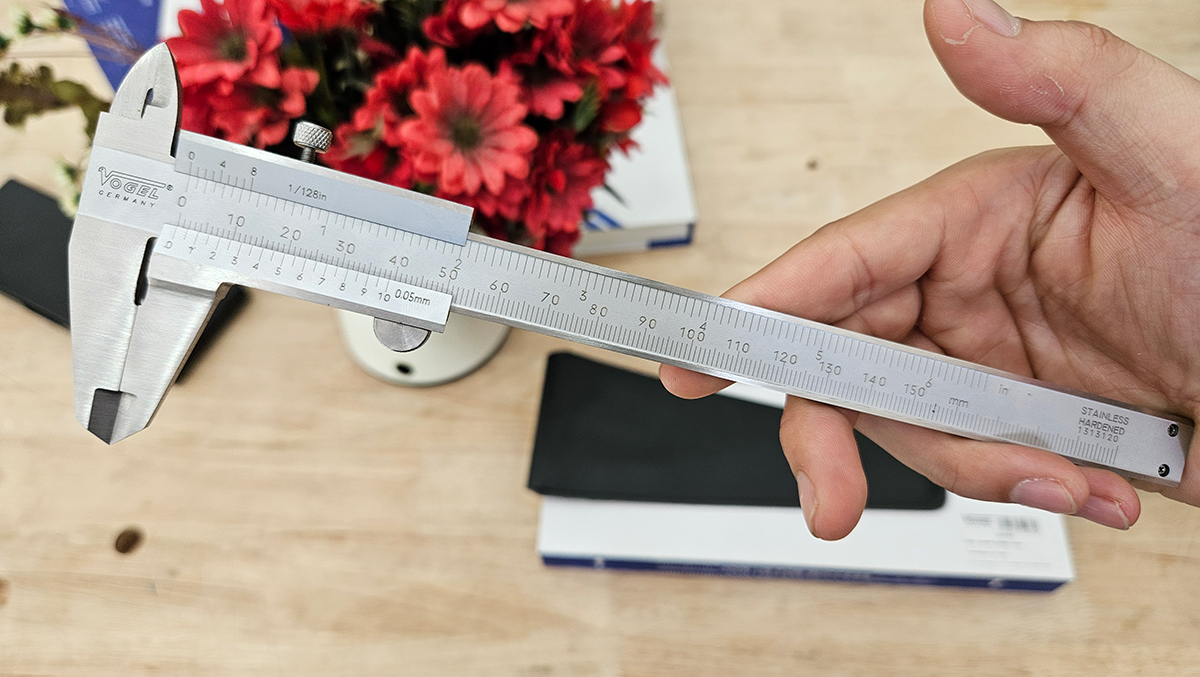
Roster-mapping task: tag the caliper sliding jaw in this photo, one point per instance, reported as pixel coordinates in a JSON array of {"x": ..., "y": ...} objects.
[{"x": 132, "y": 331}]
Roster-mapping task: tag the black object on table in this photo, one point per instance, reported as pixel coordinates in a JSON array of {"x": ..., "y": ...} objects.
[
  {"x": 608, "y": 433},
  {"x": 34, "y": 234}
]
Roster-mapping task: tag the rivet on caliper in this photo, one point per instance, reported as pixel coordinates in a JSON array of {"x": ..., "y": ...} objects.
[{"x": 401, "y": 338}]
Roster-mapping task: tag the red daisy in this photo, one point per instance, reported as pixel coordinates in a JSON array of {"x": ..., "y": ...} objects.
[
  {"x": 513, "y": 15},
  {"x": 196, "y": 113},
  {"x": 586, "y": 45},
  {"x": 561, "y": 242},
  {"x": 547, "y": 90},
  {"x": 251, "y": 114},
  {"x": 468, "y": 132},
  {"x": 561, "y": 181},
  {"x": 228, "y": 43},
  {"x": 446, "y": 28},
  {"x": 369, "y": 145},
  {"x": 360, "y": 152},
  {"x": 505, "y": 205},
  {"x": 306, "y": 17},
  {"x": 232, "y": 86},
  {"x": 388, "y": 98},
  {"x": 639, "y": 43},
  {"x": 619, "y": 115}
]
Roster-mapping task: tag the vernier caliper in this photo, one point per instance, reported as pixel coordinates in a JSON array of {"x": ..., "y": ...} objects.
[{"x": 170, "y": 219}]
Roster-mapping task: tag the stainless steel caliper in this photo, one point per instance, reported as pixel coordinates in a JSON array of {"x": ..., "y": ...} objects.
[{"x": 169, "y": 219}]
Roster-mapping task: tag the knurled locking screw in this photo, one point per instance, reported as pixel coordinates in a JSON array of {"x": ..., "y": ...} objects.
[{"x": 311, "y": 138}]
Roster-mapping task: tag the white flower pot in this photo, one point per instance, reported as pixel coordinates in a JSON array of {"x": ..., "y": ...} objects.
[{"x": 466, "y": 345}]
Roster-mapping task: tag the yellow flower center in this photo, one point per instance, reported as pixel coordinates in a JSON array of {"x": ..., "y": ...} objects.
[
  {"x": 465, "y": 132},
  {"x": 233, "y": 47}
]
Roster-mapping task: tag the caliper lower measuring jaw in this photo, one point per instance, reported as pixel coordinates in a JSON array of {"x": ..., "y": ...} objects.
[{"x": 169, "y": 219}]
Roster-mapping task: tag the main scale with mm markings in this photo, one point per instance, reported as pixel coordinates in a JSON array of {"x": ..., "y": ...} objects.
[{"x": 160, "y": 235}]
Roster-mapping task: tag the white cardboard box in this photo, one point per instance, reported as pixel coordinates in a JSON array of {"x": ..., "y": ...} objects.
[
  {"x": 964, "y": 543},
  {"x": 657, "y": 208}
]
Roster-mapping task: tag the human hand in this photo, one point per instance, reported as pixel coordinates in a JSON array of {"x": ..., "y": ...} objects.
[{"x": 1076, "y": 264}]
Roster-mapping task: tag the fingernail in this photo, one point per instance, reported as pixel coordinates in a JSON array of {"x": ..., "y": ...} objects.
[
  {"x": 995, "y": 17},
  {"x": 1043, "y": 493},
  {"x": 808, "y": 499},
  {"x": 1104, "y": 511}
]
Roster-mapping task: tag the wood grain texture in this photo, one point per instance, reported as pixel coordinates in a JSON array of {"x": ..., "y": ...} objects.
[{"x": 300, "y": 518}]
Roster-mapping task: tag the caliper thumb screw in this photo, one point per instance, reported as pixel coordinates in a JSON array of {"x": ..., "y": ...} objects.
[{"x": 311, "y": 138}]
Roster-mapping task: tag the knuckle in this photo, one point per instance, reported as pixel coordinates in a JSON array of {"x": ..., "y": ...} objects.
[
  {"x": 790, "y": 435},
  {"x": 1097, "y": 58},
  {"x": 946, "y": 473},
  {"x": 1101, "y": 38},
  {"x": 1109, "y": 54}
]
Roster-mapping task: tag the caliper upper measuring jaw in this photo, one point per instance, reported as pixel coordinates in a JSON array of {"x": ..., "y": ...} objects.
[{"x": 135, "y": 312}]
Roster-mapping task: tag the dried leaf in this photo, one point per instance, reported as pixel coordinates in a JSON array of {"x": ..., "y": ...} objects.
[{"x": 29, "y": 93}]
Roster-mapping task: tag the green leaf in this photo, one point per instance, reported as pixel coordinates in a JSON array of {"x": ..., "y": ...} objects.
[
  {"x": 586, "y": 108},
  {"x": 25, "y": 23},
  {"x": 407, "y": 15},
  {"x": 613, "y": 192}
]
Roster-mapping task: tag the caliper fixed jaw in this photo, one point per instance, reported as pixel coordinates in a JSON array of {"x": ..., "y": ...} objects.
[{"x": 129, "y": 337}]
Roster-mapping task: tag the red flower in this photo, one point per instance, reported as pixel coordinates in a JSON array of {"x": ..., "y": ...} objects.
[
  {"x": 468, "y": 132},
  {"x": 586, "y": 45},
  {"x": 226, "y": 44},
  {"x": 361, "y": 153},
  {"x": 388, "y": 99},
  {"x": 228, "y": 63},
  {"x": 197, "y": 110},
  {"x": 639, "y": 42},
  {"x": 446, "y": 29},
  {"x": 505, "y": 204},
  {"x": 249, "y": 114},
  {"x": 546, "y": 91},
  {"x": 323, "y": 16},
  {"x": 619, "y": 115},
  {"x": 369, "y": 145},
  {"x": 563, "y": 176},
  {"x": 377, "y": 51},
  {"x": 512, "y": 15},
  {"x": 561, "y": 242},
  {"x": 546, "y": 88}
]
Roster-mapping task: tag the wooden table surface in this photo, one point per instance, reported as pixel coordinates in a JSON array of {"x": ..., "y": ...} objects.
[{"x": 301, "y": 518}]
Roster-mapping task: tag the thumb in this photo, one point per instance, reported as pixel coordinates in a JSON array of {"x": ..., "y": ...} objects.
[{"x": 1125, "y": 118}]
